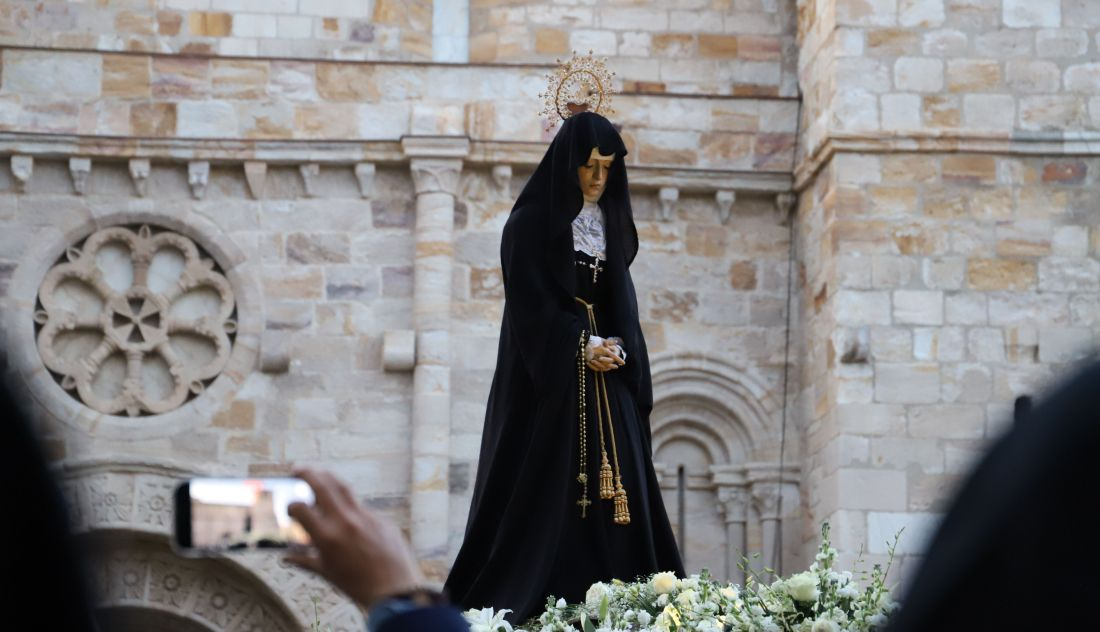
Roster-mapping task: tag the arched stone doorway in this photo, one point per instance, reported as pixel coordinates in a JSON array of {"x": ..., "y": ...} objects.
[{"x": 716, "y": 444}]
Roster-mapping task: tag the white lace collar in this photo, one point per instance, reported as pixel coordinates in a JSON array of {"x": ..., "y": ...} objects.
[{"x": 588, "y": 232}]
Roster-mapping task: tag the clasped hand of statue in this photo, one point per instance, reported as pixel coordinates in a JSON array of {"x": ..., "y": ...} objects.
[{"x": 604, "y": 354}]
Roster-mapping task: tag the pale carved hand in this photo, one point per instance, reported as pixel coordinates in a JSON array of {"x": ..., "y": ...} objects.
[{"x": 606, "y": 355}]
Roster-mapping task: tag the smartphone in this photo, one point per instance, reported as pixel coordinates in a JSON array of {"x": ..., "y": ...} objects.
[{"x": 220, "y": 515}]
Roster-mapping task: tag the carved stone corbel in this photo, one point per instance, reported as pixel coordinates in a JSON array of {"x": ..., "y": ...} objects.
[
  {"x": 502, "y": 176},
  {"x": 309, "y": 172},
  {"x": 854, "y": 345},
  {"x": 80, "y": 169},
  {"x": 399, "y": 350},
  {"x": 668, "y": 197},
  {"x": 198, "y": 176},
  {"x": 364, "y": 173},
  {"x": 275, "y": 351},
  {"x": 725, "y": 200},
  {"x": 255, "y": 174},
  {"x": 22, "y": 167},
  {"x": 139, "y": 175}
]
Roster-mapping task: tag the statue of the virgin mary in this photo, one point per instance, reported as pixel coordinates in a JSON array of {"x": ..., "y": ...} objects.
[{"x": 566, "y": 494}]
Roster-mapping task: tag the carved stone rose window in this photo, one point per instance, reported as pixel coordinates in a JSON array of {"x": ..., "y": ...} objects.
[{"x": 135, "y": 320}]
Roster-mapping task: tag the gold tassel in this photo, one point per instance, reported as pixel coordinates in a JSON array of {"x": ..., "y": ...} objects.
[
  {"x": 607, "y": 489},
  {"x": 622, "y": 512}
]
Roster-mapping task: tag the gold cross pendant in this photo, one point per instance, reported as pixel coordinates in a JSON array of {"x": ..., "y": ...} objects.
[{"x": 584, "y": 503}]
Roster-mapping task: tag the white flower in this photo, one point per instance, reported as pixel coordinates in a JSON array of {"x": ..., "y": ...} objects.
[
  {"x": 877, "y": 620},
  {"x": 825, "y": 625},
  {"x": 560, "y": 604},
  {"x": 595, "y": 595},
  {"x": 664, "y": 583},
  {"x": 686, "y": 598},
  {"x": 729, "y": 592},
  {"x": 802, "y": 587},
  {"x": 848, "y": 591},
  {"x": 485, "y": 620},
  {"x": 644, "y": 617},
  {"x": 662, "y": 601}
]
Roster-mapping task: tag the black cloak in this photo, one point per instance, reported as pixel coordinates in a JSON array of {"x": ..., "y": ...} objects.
[{"x": 524, "y": 527}]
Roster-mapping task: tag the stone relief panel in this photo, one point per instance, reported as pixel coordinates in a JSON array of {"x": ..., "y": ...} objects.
[{"x": 135, "y": 320}]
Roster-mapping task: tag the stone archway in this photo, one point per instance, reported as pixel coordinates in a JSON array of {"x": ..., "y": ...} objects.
[
  {"x": 123, "y": 510},
  {"x": 141, "y": 583},
  {"x": 716, "y": 443}
]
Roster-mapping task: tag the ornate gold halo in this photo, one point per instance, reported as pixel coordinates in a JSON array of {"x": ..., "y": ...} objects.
[{"x": 581, "y": 84}]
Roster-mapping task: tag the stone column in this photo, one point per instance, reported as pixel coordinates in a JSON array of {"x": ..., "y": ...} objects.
[
  {"x": 733, "y": 504},
  {"x": 436, "y": 165},
  {"x": 765, "y": 498}
]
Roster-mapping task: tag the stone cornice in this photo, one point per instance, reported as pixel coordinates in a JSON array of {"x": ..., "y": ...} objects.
[
  {"x": 326, "y": 152},
  {"x": 1053, "y": 143}
]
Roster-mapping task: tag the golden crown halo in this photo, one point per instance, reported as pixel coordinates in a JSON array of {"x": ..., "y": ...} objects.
[{"x": 581, "y": 84}]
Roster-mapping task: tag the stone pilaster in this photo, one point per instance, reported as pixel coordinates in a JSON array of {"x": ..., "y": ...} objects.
[
  {"x": 733, "y": 505},
  {"x": 435, "y": 164}
]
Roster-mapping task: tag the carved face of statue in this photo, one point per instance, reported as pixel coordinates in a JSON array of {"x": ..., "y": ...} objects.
[{"x": 593, "y": 175}]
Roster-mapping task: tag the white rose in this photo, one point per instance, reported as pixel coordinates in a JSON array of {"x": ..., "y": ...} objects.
[
  {"x": 595, "y": 595},
  {"x": 644, "y": 618},
  {"x": 686, "y": 598},
  {"x": 561, "y": 603},
  {"x": 729, "y": 592},
  {"x": 825, "y": 625},
  {"x": 664, "y": 583},
  {"x": 802, "y": 587},
  {"x": 662, "y": 600}
]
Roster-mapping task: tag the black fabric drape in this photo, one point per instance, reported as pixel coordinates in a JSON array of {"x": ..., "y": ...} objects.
[
  {"x": 44, "y": 565},
  {"x": 525, "y": 482}
]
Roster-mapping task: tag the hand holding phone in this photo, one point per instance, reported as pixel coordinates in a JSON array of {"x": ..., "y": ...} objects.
[
  {"x": 220, "y": 515},
  {"x": 357, "y": 551}
]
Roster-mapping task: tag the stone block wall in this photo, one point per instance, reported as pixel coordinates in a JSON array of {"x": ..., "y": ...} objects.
[
  {"x": 158, "y": 96},
  {"x": 980, "y": 68},
  {"x": 943, "y": 286},
  {"x": 948, "y": 243},
  {"x": 738, "y": 47},
  {"x": 316, "y": 29}
]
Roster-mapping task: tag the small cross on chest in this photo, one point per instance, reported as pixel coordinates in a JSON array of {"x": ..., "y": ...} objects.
[
  {"x": 584, "y": 503},
  {"x": 595, "y": 267}
]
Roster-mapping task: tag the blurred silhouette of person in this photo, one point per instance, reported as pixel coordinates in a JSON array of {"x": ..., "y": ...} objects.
[
  {"x": 368, "y": 559},
  {"x": 1021, "y": 408},
  {"x": 1015, "y": 549},
  {"x": 43, "y": 565}
]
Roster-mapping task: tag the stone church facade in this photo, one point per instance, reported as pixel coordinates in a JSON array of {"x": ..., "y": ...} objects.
[{"x": 237, "y": 235}]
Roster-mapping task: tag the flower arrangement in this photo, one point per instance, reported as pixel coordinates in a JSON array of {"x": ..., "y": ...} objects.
[{"x": 820, "y": 599}]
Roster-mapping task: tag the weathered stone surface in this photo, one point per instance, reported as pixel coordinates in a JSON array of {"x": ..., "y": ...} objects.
[
  {"x": 1000, "y": 274},
  {"x": 240, "y": 415},
  {"x": 907, "y": 383},
  {"x": 318, "y": 248}
]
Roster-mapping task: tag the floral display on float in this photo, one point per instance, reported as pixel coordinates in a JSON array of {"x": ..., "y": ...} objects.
[{"x": 820, "y": 599}]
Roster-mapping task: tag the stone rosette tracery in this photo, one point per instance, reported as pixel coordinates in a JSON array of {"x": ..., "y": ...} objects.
[{"x": 135, "y": 321}]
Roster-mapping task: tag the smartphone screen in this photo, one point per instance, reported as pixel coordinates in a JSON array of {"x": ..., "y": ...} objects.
[{"x": 219, "y": 515}]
